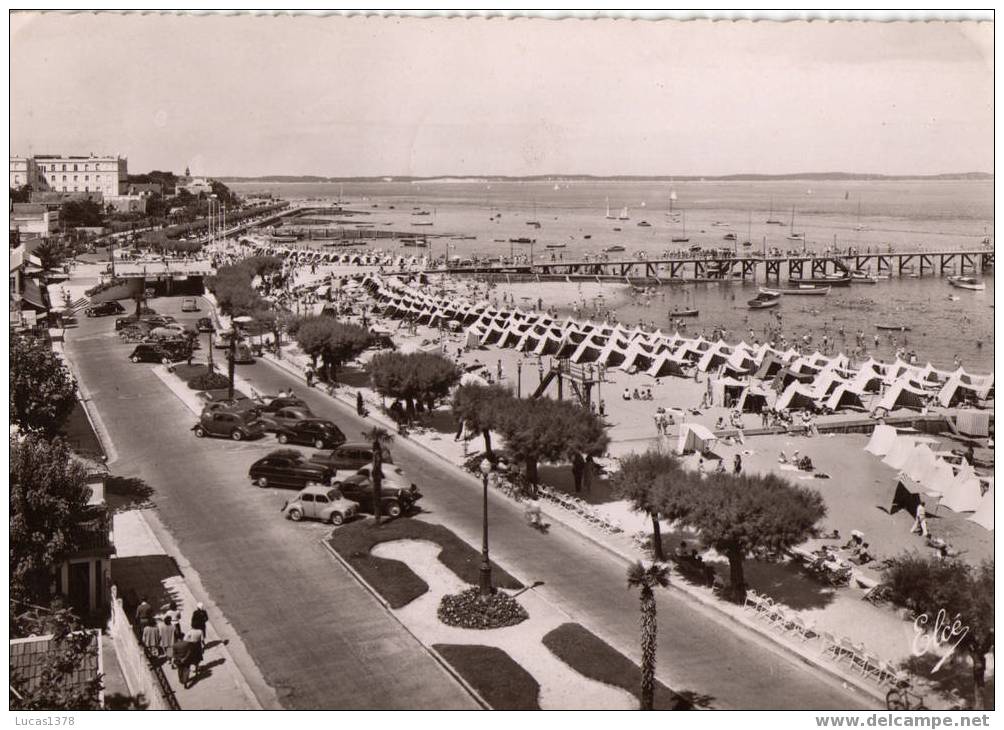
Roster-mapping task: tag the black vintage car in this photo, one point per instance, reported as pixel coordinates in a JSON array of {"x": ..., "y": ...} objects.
[
  {"x": 287, "y": 468},
  {"x": 152, "y": 352},
  {"x": 350, "y": 456},
  {"x": 104, "y": 309},
  {"x": 229, "y": 424},
  {"x": 316, "y": 432},
  {"x": 396, "y": 496}
]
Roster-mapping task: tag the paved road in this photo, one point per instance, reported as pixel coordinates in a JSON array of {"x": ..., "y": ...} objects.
[
  {"x": 318, "y": 638},
  {"x": 261, "y": 569}
]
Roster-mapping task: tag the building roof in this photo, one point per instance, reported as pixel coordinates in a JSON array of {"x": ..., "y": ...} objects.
[
  {"x": 32, "y": 293},
  {"x": 29, "y": 208},
  {"x": 28, "y": 659}
]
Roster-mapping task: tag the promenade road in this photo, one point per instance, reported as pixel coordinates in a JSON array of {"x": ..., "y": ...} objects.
[
  {"x": 224, "y": 526},
  {"x": 318, "y": 637}
]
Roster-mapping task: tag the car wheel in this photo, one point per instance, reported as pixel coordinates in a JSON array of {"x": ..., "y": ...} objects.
[
  {"x": 237, "y": 435},
  {"x": 200, "y": 432},
  {"x": 394, "y": 510},
  {"x": 134, "y": 358},
  {"x": 295, "y": 515},
  {"x": 262, "y": 482},
  {"x": 319, "y": 444},
  {"x": 283, "y": 438},
  {"x": 337, "y": 518}
]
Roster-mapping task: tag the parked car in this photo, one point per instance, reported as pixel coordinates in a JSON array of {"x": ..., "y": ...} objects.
[
  {"x": 350, "y": 456},
  {"x": 272, "y": 403},
  {"x": 242, "y": 354},
  {"x": 316, "y": 432},
  {"x": 229, "y": 424},
  {"x": 205, "y": 324},
  {"x": 155, "y": 352},
  {"x": 237, "y": 405},
  {"x": 287, "y": 468},
  {"x": 123, "y": 322},
  {"x": 285, "y": 416},
  {"x": 397, "y": 496},
  {"x": 326, "y": 504},
  {"x": 158, "y": 320},
  {"x": 104, "y": 309},
  {"x": 189, "y": 304}
]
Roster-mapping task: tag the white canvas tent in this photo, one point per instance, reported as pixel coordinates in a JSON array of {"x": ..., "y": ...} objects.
[
  {"x": 920, "y": 462},
  {"x": 901, "y": 395},
  {"x": 900, "y": 452},
  {"x": 882, "y": 440},
  {"x": 844, "y": 397},
  {"x": 694, "y": 437},
  {"x": 964, "y": 493},
  {"x": 796, "y": 397},
  {"x": 984, "y": 515}
]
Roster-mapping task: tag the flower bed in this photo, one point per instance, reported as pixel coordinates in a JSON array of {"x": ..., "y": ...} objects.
[
  {"x": 394, "y": 580},
  {"x": 468, "y": 610},
  {"x": 494, "y": 675},
  {"x": 208, "y": 381},
  {"x": 592, "y": 657}
]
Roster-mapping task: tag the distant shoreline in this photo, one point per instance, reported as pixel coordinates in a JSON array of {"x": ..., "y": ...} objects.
[{"x": 813, "y": 176}]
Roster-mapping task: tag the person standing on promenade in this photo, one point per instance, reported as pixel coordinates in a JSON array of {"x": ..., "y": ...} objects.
[
  {"x": 308, "y": 374},
  {"x": 578, "y": 470},
  {"x": 144, "y": 611},
  {"x": 200, "y": 619}
]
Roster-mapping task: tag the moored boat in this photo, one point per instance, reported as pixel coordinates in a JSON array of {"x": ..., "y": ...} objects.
[
  {"x": 764, "y": 300},
  {"x": 614, "y": 249},
  {"x": 966, "y": 282},
  {"x": 833, "y": 280},
  {"x": 860, "y": 276},
  {"x": 683, "y": 313},
  {"x": 892, "y": 327},
  {"x": 802, "y": 290}
]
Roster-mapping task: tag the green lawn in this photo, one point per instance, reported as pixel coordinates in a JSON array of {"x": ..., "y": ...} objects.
[
  {"x": 589, "y": 655},
  {"x": 394, "y": 580},
  {"x": 496, "y": 676}
]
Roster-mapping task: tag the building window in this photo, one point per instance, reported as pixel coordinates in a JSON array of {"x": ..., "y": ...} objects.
[
  {"x": 64, "y": 188},
  {"x": 87, "y": 177},
  {"x": 74, "y": 178},
  {"x": 74, "y": 168},
  {"x": 17, "y": 179},
  {"x": 64, "y": 177},
  {"x": 74, "y": 188},
  {"x": 87, "y": 189},
  {"x": 64, "y": 168}
]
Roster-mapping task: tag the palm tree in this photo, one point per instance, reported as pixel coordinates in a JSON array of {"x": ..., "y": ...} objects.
[
  {"x": 379, "y": 437},
  {"x": 647, "y": 579}
]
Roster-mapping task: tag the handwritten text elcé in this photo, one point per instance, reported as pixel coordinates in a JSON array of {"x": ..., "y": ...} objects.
[{"x": 941, "y": 634}]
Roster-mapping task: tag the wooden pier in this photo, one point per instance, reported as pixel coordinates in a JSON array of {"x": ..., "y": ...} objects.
[{"x": 690, "y": 269}]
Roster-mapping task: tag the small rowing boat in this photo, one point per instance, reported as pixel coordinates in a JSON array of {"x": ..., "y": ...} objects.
[
  {"x": 614, "y": 249},
  {"x": 764, "y": 300},
  {"x": 802, "y": 290},
  {"x": 966, "y": 282},
  {"x": 831, "y": 280},
  {"x": 683, "y": 313},
  {"x": 892, "y": 327},
  {"x": 860, "y": 276}
]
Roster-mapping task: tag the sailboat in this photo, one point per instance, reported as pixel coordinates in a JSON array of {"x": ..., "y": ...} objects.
[
  {"x": 426, "y": 223},
  {"x": 624, "y": 214},
  {"x": 749, "y": 228},
  {"x": 683, "y": 238},
  {"x": 609, "y": 217},
  {"x": 859, "y": 227},
  {"x": 771, "y": 220},
  {"x": 534, "y": 222},
  {"x": 792, "y": 236}
]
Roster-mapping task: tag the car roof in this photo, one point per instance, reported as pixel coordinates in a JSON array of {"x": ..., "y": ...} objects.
[
  {"x": 357, "y": 445},
  {"x": 285, "y": 452},
  {"x": 317, "y": 489}
]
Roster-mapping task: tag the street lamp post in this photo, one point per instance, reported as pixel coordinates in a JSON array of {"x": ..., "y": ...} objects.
[
  {"x": 519, "y": 378},
  {"x": 485, "y": 575}
]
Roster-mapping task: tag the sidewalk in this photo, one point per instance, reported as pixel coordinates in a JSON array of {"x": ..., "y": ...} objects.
[{"x": 142, "y": 567}]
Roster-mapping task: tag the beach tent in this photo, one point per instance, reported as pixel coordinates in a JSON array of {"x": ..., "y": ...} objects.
[
  {"x": 694, "y": 437},
  {"x": 566, "y": 349},
  {"x": 636, "y": 358},
  {"x": 963, "y": 494},
  {"x": 613, "y": 354},
  {"x": 843, "y": 396},
  {"x": 882, "y": 440},
  {"x": 492, "y": 335},
  {"x": 666, "y": 364},
  {"x": 955, "y": 391},
  {"x": 900, "y": 452},
  {"x": 586, "y": 352},
  {"x": 720, "y": 387},
  {"x": 753, "y": 400},
  {"x": 528, "y": 342},
  {"x": 548, "y": 345},
  {"x": 984, "y": 515},
  {"x": 920, "y": 463},
  {"x": 472, "y": 339},
  {"x": 940, "y": 478},
  {"x": 740, "y": 362},
  {"x": 796, "y": 397},
  {"x": 901, "y": 395},
  {"x": 510, "y": 338},
  {"x": 867, "y": 381},
  {"x": 769, "y": 366},
  {"x": 826, "y": 383}
]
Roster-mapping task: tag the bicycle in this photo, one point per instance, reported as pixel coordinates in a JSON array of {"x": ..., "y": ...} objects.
[{"x": 901, "y": 698}]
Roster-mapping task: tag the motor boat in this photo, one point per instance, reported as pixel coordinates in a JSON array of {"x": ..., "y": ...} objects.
[{"x": 967, "y": 282}]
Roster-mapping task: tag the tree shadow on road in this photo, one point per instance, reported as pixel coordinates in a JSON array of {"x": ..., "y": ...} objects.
[{"x": 127, "y": 493}]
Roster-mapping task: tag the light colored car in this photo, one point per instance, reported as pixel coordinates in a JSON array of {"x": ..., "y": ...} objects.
[
  {"x": 317, "y": 502},
  {"x": 189, "y": 304}
]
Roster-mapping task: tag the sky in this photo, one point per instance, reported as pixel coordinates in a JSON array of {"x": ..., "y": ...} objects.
[{"x": 352, "y": 96}]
